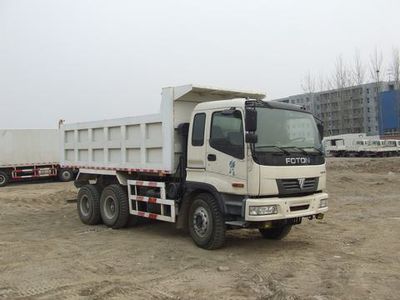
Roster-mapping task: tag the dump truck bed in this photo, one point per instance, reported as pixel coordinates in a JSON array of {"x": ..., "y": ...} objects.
[{"x": 147, "y": 143}]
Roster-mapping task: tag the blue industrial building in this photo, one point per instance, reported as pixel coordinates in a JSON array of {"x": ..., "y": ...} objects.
[{"x": 389, "y": 112}]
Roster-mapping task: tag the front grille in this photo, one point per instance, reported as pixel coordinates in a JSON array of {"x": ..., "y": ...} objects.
[
  {"x": 297, "y": 186},
  {"x": 299, "y": 207}
]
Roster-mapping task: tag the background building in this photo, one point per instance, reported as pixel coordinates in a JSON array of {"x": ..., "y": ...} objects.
[
  {"x": 389, "y": 116},
  {"x": 353, "y": 109}
]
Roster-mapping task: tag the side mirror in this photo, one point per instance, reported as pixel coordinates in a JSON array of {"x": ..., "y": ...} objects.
[
  {"x": 251, "y": 119},
  {"x": 320, "y": 130},
  {"x": 251, "y": 138}
]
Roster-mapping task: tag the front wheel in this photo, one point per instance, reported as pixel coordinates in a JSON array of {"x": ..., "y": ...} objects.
[
  {"x": 206, "y": 222},
  {"x": 275, "y": 233}
]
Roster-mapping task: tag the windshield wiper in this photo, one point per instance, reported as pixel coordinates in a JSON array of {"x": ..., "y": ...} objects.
[
  {"x": 282, "y": 150},
  {"x": 314, "y": 148},
  {"x": 298, "y": 149}
]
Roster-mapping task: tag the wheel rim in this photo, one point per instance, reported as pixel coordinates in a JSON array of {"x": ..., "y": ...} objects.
[
  {"x": 201, "y": 221},
  {"x": 85, "y": 206},
  {"x": 2, "y": 179},
  {"x": 65, "y": 175},
  {"x": 109, "y": 208}
]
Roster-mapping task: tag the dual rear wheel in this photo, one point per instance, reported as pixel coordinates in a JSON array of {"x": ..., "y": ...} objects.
[{"x": 110, "y": 207}]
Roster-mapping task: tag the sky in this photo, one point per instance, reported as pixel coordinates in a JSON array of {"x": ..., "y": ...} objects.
[{"x": 82, "y": 60}]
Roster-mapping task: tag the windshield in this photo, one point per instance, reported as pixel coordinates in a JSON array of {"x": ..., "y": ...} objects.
[{"x": 287, "y": 129}]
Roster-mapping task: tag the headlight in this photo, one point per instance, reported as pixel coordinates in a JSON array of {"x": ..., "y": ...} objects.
[
  {"x": 323, "y": 203},
  {"x": 263, "y": 210}
]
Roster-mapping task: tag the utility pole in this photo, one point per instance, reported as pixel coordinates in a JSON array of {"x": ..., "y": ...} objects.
[{"x": 379, "y": 107}]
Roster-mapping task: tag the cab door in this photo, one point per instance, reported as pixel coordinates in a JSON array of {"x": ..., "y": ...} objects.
[
  {"x": 226, "y": 166},
  {"x": 197, "y": 143}
]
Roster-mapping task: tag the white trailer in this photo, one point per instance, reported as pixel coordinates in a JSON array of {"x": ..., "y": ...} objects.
[
  {"x": 374, "y": 148},
  {"x": 360, "y": 145},
  {"x": 391, "y": 147},
  {"x": 210, "y": 160},
  {"x": 344, "y": 144},
  {"x": 30, "y": 154}
]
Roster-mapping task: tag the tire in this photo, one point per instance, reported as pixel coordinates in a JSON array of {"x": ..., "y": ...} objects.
[
  {"x": 114, "y": 206},
  {"x": 4, "y": 178},
  {"x": 65, "y": 175},
  {"x": 206, "y": 222},
  {"x": 275, "y": 233},
  {"x": 88, "y": 205}
]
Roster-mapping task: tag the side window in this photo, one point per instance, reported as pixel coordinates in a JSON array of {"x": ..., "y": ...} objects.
[
  {"x": 227, "y": 133},
  {"x": 199, "y": 122}
]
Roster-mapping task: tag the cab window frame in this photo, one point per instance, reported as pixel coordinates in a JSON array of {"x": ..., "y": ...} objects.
[
  {"x": 198, "y": 142},
  {"x": 237, "y": 152}
]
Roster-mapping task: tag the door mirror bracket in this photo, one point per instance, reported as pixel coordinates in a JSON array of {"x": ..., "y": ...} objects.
[{"x": 251, "y": 138}]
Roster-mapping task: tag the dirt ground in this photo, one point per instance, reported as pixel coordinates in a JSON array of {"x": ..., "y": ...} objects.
[{"x": 354, "y": 253}]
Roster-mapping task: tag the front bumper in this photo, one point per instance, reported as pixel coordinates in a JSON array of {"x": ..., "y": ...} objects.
[{"x": 288, "y": 207}]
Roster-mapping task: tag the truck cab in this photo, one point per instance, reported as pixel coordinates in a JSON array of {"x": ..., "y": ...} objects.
[
  {"x": 335, "y": 146},
  {"x": 262, "y": 161}
]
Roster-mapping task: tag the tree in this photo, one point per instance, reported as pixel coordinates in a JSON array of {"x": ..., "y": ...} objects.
[
  {"x": 395, "y": 67},
  {"x": 376, "y": 61},
  {"x": 322, "y": 84},
  {"x": 308, "y": 84},
  {"x": 341, "y": 75},
  {"x": 358, "y": 71},
  {"x": 342, "y": 80}
]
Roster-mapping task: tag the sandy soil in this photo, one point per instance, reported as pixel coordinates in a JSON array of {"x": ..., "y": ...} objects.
[{"x": 354, "y": 253}]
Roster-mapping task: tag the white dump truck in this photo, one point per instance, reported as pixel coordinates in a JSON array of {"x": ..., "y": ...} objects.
[
  {"x": 30, "y": 154},
  {"x": 211, "y": 160}
]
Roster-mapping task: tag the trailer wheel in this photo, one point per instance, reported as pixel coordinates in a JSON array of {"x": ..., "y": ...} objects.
[
  {"x": 88, "y": 205},
  {"x": 114, "y": 206},
  {"x": 206, "y": 222},
  {"x": 65, "y": 175},
  {"x": 275, "y": 233},
  {"x": 3, "y": 178}
]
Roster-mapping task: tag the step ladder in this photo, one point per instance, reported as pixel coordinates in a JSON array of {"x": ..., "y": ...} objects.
[{"x": 136, "y": 207}]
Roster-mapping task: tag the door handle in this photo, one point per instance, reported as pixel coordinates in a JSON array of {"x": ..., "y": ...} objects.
[{"x": 211, "y": 157}]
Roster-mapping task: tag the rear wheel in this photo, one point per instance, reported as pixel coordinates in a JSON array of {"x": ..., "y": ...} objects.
[
  {"x": 88, "y": 205},
  {"x": 3, "y": 178},
  {"x": 275, "y": 233},
  {"x": 206, "y": 222},
  {"x": 114, "y": 206},
  {"x": 65, "y": 175}
]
